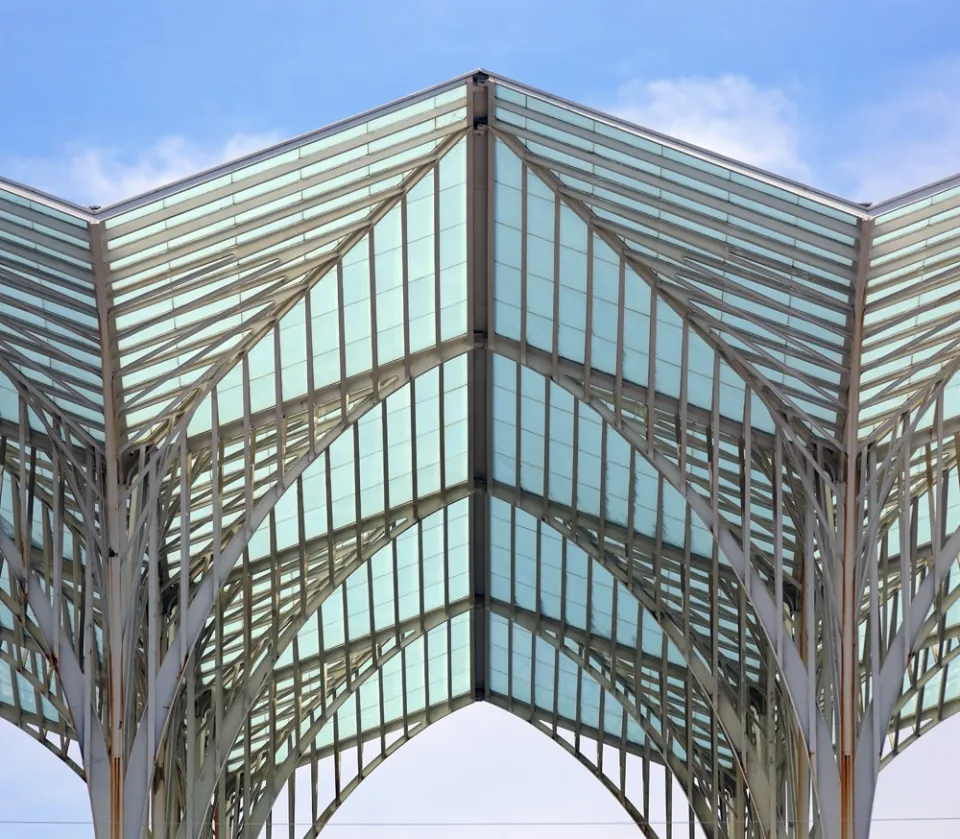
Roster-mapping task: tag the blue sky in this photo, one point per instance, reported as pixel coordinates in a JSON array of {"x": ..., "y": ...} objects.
[{"x": 101, "y": 100}]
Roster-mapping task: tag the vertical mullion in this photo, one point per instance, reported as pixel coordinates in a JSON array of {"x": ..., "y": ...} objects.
[
  {"x": 358, "y": 710},
  {"x": 652, "y": 371},
  {"x": 311, "y": 375},
  {"x": 746, "y": 483},
  {"x": 538, "y": 596},
  {"x": 358, "y": 541},
  {"x": 403, "y": 648},
  {"x": 279, "y": 419},
  {"x": 57, "y": 559},
  {"x": 341, "y": 325},
  {"x": 872, "y": 564},
  {"x": 556, "y": 286},
  {"x": 547, "y": 410},
  {"x": 216, "y": 506},
  {"x": 247, "y": 645},
  {"x": 601, "y": 726},
  {"x": 563, "y": 622},
  {"x": 405, "y": 285},
  {"x": 331, "y": 537},
  {"x": 218, "y": 717},
  {"x": 633, "y": 581},
  {"x": 810, "y": 617},
  {"x": 621, "y": 306},
  {"x": 512, "y": 626},
  {"x": 906, "y": 583},
  {"x": 578, "y": 715},
  {"x": 588, "y": 320},
  {"x": 337, "y": 769},
  {"x": 518, "y": 433},
  {"x": 778, "y": 538},
  {"x": 348, "y": 669},
  {"x": 533, "y": 676},
  {"x": 374, "y": 345},
  {"x": 192, "y": 756},
  {"x": 437, "y": 274},
  {"x": 524, "y": 176},
  {"x": 423, "y": 628},
  {"x": 184, "y": 545},
  {"x": 22, "y": 504},
  {"x": 153, "y": 632}
]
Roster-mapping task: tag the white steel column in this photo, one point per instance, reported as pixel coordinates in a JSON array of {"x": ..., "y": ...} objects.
[
  {"x": 480, "y": 313},
  {"x": 852, "y": 824},
  {"x": 110, "y": 542}
]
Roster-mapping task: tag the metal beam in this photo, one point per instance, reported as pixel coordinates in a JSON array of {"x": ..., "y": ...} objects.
[{"x": 480, "y": 316}]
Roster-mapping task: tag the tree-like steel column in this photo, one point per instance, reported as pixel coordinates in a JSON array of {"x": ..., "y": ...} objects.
[
  {"x": 139, "y": 623},
  {"x": 113, "y": 526},
  {"x": 851, "y": 541}
]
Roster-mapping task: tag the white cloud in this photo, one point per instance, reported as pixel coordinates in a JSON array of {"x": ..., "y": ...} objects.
[
  {"x": 102, "y": 176},
  {"x": 908, "y": 139},
  {"x": 869, "y": 151},
  {"x": 729, "y": 115}
]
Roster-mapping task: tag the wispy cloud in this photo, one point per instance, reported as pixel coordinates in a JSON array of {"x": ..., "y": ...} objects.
[
  {"x": 879, "y": 149},
  {"x": 730, "y": 115},
  {"x": 908, "y": 139},
  {"x": 876, "y": 150},
  {"x": 101, "y": 176}
]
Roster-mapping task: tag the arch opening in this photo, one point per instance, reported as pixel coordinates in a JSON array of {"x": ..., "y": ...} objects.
[
  {"x": 648, "y": 650},
  {"x": 606, "y": 435}
]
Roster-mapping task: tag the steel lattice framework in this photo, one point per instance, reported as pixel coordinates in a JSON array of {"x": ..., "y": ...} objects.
[{"x": 479, "y": 396}]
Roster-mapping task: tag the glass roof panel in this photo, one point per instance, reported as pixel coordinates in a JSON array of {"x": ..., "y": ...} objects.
[
  {"x": 422, "y": 422},
  {"x": 585, "y": 469},
  {"x": 366, "y": 641},
  {"x": 46, "y": 286},
  {"x": 534, "y": 568},
  {"x": 525, "y": 668},
  {"x": 541, "y": 579},
  {"x": 910, "y": 324},
  {"x": 770, "y": 271},
  {"x": 16, "y": 691},
  {"x": 567, "y": 454},
  {"x": 345, "y": 499},
  {"x": 195, "y": 274}
]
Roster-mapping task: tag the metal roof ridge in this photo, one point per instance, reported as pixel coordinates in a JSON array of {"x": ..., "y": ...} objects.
[
  {"x": 47, "y": 199},
  {"x": 278, "y": 148},
  {"x": 861, "y": 210},
  {"x": 788, "y": 184},
  {"x": 916, "y": 194}
]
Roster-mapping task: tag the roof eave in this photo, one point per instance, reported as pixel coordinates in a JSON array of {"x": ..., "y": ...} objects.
[
  {"x": 38, "y": 196},
  {"x": 914, "y": 195},
  {"x": 795, "y": 187},
  {"x": 854, "y": 208},
  {"x": 279, "y": 148}
]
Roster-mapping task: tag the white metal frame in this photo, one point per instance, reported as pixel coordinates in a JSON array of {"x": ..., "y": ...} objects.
[{"x": 142, "y": 629}]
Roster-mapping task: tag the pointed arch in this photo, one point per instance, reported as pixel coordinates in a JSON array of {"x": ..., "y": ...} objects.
[
  {"x": 30, "y": 703},
  {"x": 85, "y": 722},
  {"x": 793, "y": 669},
  {"x": 914, "y": 714},
  {"x": 171, "y": 671},
  {"x": 373, "y": 391},
  {"x": 711, "y": 685},
  {"x": 307, "y": 748},
  {"x": 249, "y": 695},
  {"x": 234, "y": 715}
]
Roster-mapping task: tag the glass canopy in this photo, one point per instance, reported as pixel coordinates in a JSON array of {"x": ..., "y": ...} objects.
[{"x": 481, "y": 396}]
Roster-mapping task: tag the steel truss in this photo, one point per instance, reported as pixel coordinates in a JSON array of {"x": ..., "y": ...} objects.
[{"x": 481, "y": 396}]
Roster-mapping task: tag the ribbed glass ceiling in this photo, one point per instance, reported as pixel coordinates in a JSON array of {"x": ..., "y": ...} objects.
[{"x": 458, "y": 401}]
